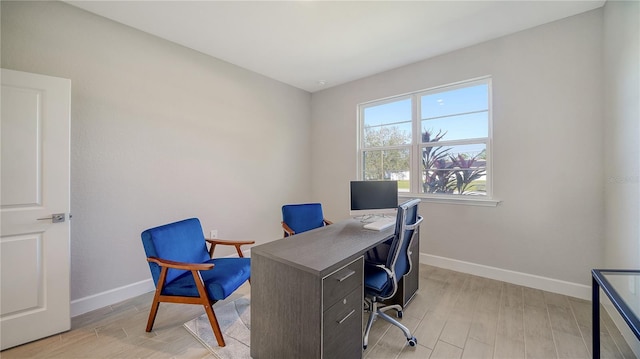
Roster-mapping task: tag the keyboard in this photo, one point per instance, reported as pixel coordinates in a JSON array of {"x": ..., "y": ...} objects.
[{"x": 381, "y": 224}]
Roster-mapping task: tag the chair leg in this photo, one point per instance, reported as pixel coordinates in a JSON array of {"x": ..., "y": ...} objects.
[
  {"x": 152, "y": 314},
  {"x": 372, "y": 317},
  {"x": 380, "y": 311},
  {"x": 396, "y": 307},
  {"x": 391, "y": 320},
  {"x": 214, "y": 324},
  {"x": 156, "y": 299}
]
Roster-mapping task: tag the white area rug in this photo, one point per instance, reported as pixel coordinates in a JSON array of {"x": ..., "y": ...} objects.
[{"x": 235, "y": 324}]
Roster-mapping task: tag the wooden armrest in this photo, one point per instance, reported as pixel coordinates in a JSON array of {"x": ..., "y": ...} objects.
[
  {"x": 227, "y": 242},
  {"x": 180, "y": 265},
  {"x": 287, "y": 230}
]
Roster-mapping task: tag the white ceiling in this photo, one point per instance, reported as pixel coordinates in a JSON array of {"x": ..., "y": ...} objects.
[{"x": 304, "y": 43}]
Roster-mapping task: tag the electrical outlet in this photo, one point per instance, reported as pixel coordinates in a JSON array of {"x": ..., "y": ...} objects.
[{"x": 214, "y": 234}]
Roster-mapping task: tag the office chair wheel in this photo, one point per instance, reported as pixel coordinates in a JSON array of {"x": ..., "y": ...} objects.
[
  {"x": 364, "y": 347},
  {"x": 399, "y": 315},
  {"x": 412, "y": 341}
]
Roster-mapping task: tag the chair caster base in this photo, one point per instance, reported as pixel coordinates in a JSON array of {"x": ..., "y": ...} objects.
[{"x": 412, "y": 341}]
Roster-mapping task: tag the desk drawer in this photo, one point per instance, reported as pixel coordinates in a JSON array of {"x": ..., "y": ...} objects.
[
  {"x": 340, "y": 283},
  {"x": 342, "y": 327}
]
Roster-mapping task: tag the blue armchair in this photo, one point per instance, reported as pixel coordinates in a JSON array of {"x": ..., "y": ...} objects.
[
  {"x": 185, "y": 272},
  {"x": 381, "y": 278},
  {"x": 298, "y": 218}
]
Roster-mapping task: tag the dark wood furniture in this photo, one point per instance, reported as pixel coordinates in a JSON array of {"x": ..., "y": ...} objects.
[{"x": 307, "y": 292}]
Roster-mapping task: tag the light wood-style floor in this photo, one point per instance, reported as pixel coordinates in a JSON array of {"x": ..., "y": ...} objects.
[{"x": 453, "y": 315}]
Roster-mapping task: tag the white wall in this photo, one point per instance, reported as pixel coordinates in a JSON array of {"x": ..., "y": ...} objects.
[
  {"x": 547, "y": 150},
  {"x": 622, "y": 143},
  {"x": 622, "y": 118},
  {"x": 159, "y": 133}
]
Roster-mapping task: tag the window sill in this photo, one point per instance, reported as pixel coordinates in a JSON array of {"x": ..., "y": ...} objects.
[{"x": 468, "y": 201}]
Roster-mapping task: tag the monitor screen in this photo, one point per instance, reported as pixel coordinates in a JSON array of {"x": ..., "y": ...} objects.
[{"x": 373, "y": 197}]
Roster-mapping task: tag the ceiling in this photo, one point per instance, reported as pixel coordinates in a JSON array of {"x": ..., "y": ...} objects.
[{"x": 314, "y": 45}]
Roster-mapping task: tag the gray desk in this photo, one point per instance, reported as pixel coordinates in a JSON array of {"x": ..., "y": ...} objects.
[{"x": 307, "y": 292}]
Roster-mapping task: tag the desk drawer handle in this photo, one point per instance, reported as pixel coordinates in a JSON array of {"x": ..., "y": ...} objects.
[
  {"x": 346, "y": 276},
  {"x": 348, "y": 315}
]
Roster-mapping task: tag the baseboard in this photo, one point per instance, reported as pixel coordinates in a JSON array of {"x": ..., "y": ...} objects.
[
  {"x": 528, "y": 280},
  {"x": 105, "y": 299},
  {"x": 116, "y": 295}
]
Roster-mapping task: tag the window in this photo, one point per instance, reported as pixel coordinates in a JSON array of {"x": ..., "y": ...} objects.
[{"x": 435, "y": 143}]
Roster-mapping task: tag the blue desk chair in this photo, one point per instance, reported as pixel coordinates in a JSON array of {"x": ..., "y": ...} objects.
[
  {"x": 185, "y": 272},
  {"x": 381, "y": 279},
  {"x": 298, "y": 218}
]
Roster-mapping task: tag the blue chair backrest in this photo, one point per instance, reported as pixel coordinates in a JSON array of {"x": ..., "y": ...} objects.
[
  {"x": 303, "y": 217},
  {"x": 407, "y": 221},
  {"x": 181, "y": 241}
]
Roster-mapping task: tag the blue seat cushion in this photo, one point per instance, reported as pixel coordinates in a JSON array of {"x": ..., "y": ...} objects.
[
  {"x": 181, "y": 241},
  {"x": 376, "y": 280},
  {"x": 303, "y": 217},
  {"x": 219, "y": 282}
]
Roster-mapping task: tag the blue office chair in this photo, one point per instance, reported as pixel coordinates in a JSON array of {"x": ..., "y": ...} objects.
[
  {"x": 298, "y": 218},
  {"x": 185, "y": 272},
  {"x": 381, "y": 279}
]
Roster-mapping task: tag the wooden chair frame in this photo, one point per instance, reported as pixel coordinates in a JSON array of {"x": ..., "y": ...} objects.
[{"x": 195, "y": 269}]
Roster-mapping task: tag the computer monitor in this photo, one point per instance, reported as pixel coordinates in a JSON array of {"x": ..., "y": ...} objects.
[{"x": 373, "y": 197}]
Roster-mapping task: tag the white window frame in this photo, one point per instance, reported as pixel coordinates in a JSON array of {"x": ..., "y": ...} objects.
[{"x": 417, "y": 145}]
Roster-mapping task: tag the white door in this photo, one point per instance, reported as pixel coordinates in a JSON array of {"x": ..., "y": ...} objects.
[{"x": 34, "y": 234}]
